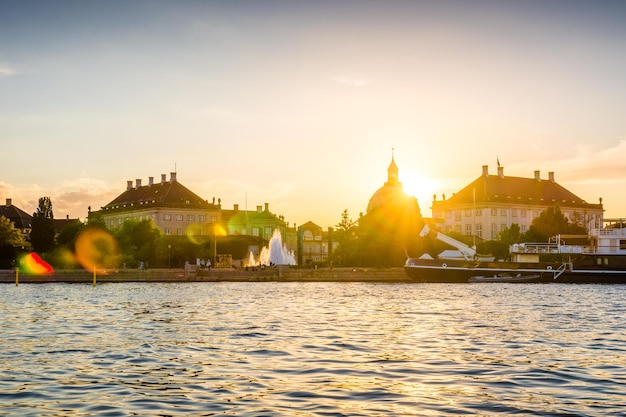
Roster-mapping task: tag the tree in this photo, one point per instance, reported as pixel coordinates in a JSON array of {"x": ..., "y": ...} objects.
[
  {"x": 69, "y": 233},
  {"x": 550, "y": 222},
  {"x": 11, "y": 240},
  {"x": 42, "y": 233},
  {"x": 138, "y": 241},
  {"x": 344, "y": 235},
  {"x": 9, "y": 235}
]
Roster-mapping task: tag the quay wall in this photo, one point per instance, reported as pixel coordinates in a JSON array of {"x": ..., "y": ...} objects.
[{"x": 275, "y": 274}]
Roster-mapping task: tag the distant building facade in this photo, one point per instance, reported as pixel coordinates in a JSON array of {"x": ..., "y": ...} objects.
[
  {"x": 315, "y": 245},
  {"x": 492, "y": 203},
  {"x": 20, "y": 219},
  {"x": 171, "y": 207},
  {"x": 260, "y": 224}
]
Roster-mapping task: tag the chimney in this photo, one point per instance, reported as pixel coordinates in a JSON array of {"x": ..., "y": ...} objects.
[
  {"x": 537, "y": 176},
  {"x": 236, "y": 207},
  {"x": 485, "y": 171},
  {"x": 267, "y": 206},
  {"x": 129, "y": 185},
  {"x": 258, "y": 209},
  {"x": 551, "y": 176},
  {"x": 9, "y": 202},
  {"x": 150, "y": 181},
  {"x": 501, "y": 172},
  {"x": 138, "y": 183},
  {"x": 173, "y": 176},
  {"x": 163, "y": 178}
]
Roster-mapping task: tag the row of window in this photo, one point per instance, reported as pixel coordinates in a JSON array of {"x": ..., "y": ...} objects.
[
  {"x": 190, "y": 232},
  {"x": 479, "y": 229},
  {"x": 494, "y": 213},
  {"x": 166, "y": 217}
]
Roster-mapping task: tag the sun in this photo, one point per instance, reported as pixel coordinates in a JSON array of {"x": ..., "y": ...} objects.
[{"x": 420, "y": 187}]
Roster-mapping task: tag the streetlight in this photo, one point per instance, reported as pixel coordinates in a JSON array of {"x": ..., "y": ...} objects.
[{"x": 169, "y": 256}]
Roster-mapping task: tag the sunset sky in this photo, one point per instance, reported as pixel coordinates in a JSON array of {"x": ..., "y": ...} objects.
[{"x": 299, "y": 103}]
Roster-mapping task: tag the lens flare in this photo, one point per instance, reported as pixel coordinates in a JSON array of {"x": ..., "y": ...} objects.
[
  {"x": 33, "y": 264},
  {"x": 96, "y": 248}
]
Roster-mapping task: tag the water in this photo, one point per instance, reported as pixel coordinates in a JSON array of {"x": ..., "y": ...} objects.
[
  {"x": 312, "y": 349},
  {"x": 276, "y": 253}
]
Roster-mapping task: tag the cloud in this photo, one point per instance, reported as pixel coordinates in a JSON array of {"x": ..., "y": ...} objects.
[
  {"x": 71, "y": 198},
  {"x": 6, "y": 70}
]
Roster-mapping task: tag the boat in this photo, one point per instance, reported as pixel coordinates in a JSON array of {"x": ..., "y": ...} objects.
[
  {"x": 519, "y": 278},
  {"x": 601, "y": 260}
]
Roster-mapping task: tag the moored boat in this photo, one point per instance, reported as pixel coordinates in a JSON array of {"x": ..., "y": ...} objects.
[
  {"x": 519, "y": 278},
  {"x": 602, "y": 261}
]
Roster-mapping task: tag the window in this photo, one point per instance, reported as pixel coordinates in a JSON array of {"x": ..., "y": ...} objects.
[
  {"x": 191, "y": 218},
  {"x": 179, "y": 231},
  {"x": 167, "y": 232},
  {"x": 457, "y": 215},
  {"x": 622, "y": 244},
  {"x": 513, "y": 213},
  {"x": 523, "y": 228},
  {"x": 468, "y": 229},
  {"x": 479, "y": 230},
  {"x": 502, "y": 212},
  {"x": 457, "y": 228},
  {"x": 502, "y": 227},
  {"x": 201, "y": 218},
  {"x": 268, "y": 232},
  {"x": 255, "y": 231},
  {"x": 179, "y": 217},
  {"x": 167, "y": 217},
  {"x": 448, "y": 215},
  {"x": 494, "y": 212},
  {"x": 479, "y": 212},
  {"x": 494, "y": 230},
  {"x": 523, "y": 213},
  {"x": 468, "y": 213}
]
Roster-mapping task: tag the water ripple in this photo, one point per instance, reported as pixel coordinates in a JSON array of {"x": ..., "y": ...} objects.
[{"x": 312, "y": 349}]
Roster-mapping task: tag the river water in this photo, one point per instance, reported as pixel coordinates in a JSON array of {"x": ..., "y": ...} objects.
[{"x": 312, "y": 349}]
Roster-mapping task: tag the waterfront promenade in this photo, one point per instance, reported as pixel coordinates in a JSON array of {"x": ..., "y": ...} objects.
[{"x": 276, "y": 274}]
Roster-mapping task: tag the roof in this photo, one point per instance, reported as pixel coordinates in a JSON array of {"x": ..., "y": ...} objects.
[
  {"x": 20, "y": 219},
  {"x": 170, "y": 194},
  {"x": 503, "y": 189}
]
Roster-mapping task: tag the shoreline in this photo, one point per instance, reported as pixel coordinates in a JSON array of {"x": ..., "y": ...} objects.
[{"x": 275, "y": 274}]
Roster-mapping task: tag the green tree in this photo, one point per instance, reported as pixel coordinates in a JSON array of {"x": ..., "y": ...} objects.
[
  {"x": 138, "y": 242},
  {"x": 11, "y": 241},
  {"x": 69, "y": 233},
  {"x": 550, "y": 222},
  {"x": 42, "y": 233},
  {"x": 344, "y": 235},
  {"x": 9, "y": 235}
]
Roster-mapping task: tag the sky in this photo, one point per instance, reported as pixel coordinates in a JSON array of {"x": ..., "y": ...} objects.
[{"x": 299, "y": 104}]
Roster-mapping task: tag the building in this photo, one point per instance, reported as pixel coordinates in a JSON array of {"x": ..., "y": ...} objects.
[
  {"x": 259, "y": 224},
  {"x": 314, "y": 244},
  {"x": 171, "y": 206},
  {"x": 20, "y": 219},
  {"x": 391, "y": 196},
  {"x": 492, "y": 203}
]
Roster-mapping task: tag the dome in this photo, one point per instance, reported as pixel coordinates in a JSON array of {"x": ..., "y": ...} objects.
[{"x": 392, "y": 193}]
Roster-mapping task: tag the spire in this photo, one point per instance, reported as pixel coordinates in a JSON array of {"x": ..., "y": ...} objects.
[{"x": 392, "y": 171}]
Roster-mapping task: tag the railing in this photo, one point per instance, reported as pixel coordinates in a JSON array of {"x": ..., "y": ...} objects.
[{"x": 545, "y": 248}]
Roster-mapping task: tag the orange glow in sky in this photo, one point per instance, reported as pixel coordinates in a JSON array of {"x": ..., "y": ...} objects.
[{"x": 298, "y": 104}]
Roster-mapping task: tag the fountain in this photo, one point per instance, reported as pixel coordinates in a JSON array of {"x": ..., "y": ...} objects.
[{"x": 275, "y": 253}]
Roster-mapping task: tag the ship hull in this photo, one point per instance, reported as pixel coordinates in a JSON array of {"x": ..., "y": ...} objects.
[{"x": 419, "y": 270}]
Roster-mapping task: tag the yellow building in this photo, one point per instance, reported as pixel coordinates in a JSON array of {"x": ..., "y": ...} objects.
[
  {"x": 492, "y": 203},
  {"x": 170, "y": 206}
]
